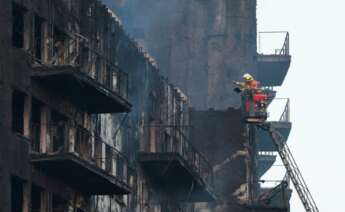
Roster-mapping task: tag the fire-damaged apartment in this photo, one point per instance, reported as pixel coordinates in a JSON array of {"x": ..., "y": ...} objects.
[{"x": 129, "y": 106}]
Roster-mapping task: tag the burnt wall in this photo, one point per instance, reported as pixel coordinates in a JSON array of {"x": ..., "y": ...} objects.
[
  {"x": 16, "y": 68},
  {"x": 14, "y": 148},
  {"x": 152, "y": 97},
  {"x": 220, "y": 136},
  {"x": 201, "y": 46}
]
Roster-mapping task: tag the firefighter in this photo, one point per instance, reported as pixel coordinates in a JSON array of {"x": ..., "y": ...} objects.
[
  {"x": 249, "y": 83},
  {"x": 257, "y": 97}
]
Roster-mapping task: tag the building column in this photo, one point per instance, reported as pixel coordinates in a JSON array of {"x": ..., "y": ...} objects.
[
  {"x": 45, "y": 136},
  {"x": 27, "y": 116},
  {"x": 28, "y": 30},
  {"x": 45, "y": 201},
  {"x": 72, "y": 132},
  {"x": 45, "y": 42},
  {"x": 26, "y": 197}
]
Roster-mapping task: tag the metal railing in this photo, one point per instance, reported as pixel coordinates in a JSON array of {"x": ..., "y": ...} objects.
[
  {"x": 283, "y": 51},
  {"x": 78, "y": 53},
  {"x": 285, "y": 117},
  {"x": 277, "y": 183},
  {"x": 279, "y": 110},
  {"x": 174, "y": 139},
  {"x": 278, "y": 192},
  {"x": 65, "y": 137}
]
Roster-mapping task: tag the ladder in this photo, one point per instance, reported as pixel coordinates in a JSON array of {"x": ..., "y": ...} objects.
[{"x": 293, "y": 170}]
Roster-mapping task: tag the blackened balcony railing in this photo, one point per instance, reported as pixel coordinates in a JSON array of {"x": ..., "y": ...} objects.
[
  {"x": 174, "y": 139},
  {"x": 65, "y": 138},
  {"x": 77, "y": 53}
]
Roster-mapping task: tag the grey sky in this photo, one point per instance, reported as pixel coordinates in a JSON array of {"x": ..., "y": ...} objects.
[{"x": 315, "y": 84}]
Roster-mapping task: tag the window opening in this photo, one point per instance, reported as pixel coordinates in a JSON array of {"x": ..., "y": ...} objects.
[
  {"x": 18, "y": 101},
  {"x": 17, "y": 189},
  {"x": 18, "y": 23}
]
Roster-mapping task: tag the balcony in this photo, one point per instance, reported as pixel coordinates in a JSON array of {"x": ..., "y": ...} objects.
[
  {"x": 280, "y": 199},
  {"x": 80, "y": 159},
  {"x": 174, "y": 165},
  {"x": 271, "y": 195},
  {"x": 275, "y": 194},
  {"x": 83, "y": 76},
  {"x": 273, "y": 66},
  {"x": 279, "y": 117}
]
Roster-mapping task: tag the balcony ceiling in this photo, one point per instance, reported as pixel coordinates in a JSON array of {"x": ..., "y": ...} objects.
[
  {"x": 80, "y": 174},
  {"x": 80, "y": 89},
  {"x": 172, "y": 173},
  {"x": 265, "y": 143},
  {"x": 272, "y": 69}
]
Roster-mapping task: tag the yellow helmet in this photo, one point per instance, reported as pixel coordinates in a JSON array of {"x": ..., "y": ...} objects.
[{"x": 247, "y": 77}]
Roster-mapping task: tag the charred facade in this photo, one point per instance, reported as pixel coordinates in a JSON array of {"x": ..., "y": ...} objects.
[
  {"x": 202, "y": 46},
  {"x": 70, "y": 76},
  {"x": 90, "y": 121}
]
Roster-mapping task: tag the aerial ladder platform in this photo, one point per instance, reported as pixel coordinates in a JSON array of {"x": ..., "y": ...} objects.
[
  {"x": 255, "y": 102},
  {"x": 291, "y": 168}
]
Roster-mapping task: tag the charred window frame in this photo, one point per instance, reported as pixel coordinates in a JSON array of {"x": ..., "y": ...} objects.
[
  {"x": 18, "y": 106},
  {"x": 18, "y": 25}
]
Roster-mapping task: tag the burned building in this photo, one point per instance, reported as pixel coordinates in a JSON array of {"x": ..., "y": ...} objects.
[
  {"x": 90, "y": 121},
  {"x": 202, "y": 46},
  {"x": 87, "y": 121}
]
